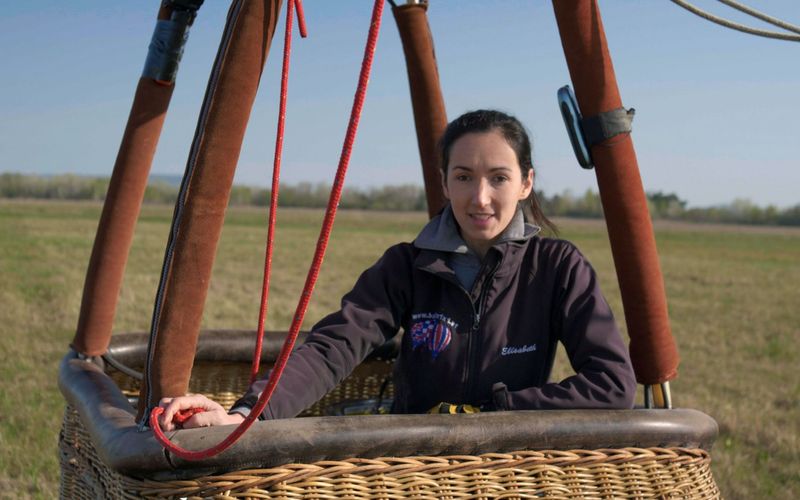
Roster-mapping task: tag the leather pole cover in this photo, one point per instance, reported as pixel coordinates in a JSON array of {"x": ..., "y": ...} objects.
[
  {"x": 118, "y": 220},
  {"x": 121, "y": 208},
  {"x": 209, "y": 188},
  {"x": 652, "y": 347},
  {"x": 430, "y": 117}
]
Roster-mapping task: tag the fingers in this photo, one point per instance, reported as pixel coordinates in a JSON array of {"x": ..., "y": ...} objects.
[
  {"x": 173, "y": 405},
  {"x": 209, "y": 418}
]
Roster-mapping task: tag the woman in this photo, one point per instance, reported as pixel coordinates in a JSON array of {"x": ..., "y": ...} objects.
[{"x": 483, "y": 301}]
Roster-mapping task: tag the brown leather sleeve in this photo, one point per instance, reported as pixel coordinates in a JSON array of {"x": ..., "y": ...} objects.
[
  {"x": 430, "y": 117},
  {"x": 118, "y": 220},
  {"x": 215, "y": 152},
  {"x": 653, "y": 351},
  {"x": 120, "y": 211}
]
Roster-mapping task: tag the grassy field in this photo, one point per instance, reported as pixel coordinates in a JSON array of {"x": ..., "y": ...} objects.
[{"x": 733, "y": 298}]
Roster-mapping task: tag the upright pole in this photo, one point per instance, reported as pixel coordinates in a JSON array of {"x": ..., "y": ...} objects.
[
  {"x": 430, "y": 117},
  {"x": 652, "y": 347},
  {"x": 198, "y": 218},
  {"x": 129, "y": 179}
]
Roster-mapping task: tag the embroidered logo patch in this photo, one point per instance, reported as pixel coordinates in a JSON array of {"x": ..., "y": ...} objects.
[{"x": 433, "y": 331}]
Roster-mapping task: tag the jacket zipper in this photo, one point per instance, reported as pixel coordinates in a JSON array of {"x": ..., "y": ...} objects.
[
  {"x": 466, "y": 379},
  {"x": 477, "y": 312},
  {"x": 470, "y": 334}
]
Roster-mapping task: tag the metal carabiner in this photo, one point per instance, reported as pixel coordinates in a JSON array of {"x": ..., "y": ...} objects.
[{"x": 572, "y": 120}]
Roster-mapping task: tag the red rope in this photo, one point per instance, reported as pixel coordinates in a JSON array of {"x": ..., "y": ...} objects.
[
  {"x": 276, "y": 175},
  {"x": 301, "y": 18},
  {"x": 313, "y": 272},
  {"x": 182, "y": 416}
]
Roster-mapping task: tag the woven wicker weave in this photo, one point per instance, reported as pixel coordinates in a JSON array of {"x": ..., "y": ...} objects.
[
  {"x": 609, "y": 474},
  {"x": 603, "y": 473},
  {"x": 225, "y": 382}
]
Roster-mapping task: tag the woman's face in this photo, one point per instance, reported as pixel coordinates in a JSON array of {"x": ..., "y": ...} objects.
[{"x": 484, "y": 184}]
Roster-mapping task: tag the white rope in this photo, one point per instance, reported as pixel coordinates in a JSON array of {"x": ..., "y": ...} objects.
[
  {"x": 736, "y": 26},
  {"x": 760, "y": 15}
]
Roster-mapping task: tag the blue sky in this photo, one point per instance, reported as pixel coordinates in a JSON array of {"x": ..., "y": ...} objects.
[{"x": 716, "y": 109}]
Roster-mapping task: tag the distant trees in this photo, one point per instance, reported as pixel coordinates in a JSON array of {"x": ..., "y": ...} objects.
[
  {"x": 742, "y": 211},
  {"x": 407, "y": 197},
  {"x": 667, "y": 206},
  {"x": 61, "y": 187},
  {"x": 568, "y": 204}
]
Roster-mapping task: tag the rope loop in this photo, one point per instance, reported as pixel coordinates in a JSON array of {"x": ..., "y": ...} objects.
[{"x": 313, "y": 272}]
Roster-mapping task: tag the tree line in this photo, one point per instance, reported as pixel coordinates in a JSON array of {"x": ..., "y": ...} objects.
[{"x": 407, "y": 197}]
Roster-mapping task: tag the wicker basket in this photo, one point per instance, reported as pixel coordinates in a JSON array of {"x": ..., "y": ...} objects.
[{"x": 569, "y": 454}]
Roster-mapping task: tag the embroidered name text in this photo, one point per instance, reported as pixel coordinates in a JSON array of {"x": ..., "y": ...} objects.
[{"x": 507, "y": 350}]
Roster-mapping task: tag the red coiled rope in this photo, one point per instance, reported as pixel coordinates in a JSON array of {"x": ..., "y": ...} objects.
[{"x": 313, "y": 272}]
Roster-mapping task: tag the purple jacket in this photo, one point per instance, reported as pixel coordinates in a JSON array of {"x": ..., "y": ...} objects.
[{"x": 491, "y": 346}]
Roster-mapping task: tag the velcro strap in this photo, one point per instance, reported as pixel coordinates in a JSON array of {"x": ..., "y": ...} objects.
[
  {"x": 190, "y": 5},
  {"x": 166, "y": 46},
  {"x": 449, "y": 408},
  {"x": 606, "y": 125}
]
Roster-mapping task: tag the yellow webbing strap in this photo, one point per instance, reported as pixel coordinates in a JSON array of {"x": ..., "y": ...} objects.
[{"x": 453, "y": 409}]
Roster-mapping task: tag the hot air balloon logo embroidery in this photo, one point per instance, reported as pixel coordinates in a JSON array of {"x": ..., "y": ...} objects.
[{"x": 434, "y": 332}]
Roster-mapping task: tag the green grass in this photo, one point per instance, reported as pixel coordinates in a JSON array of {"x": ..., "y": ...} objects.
[{"x": 733, "y": 299}]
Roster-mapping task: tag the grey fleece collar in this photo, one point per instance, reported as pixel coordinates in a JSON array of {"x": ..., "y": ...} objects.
[{"x": 442, "y": 233}]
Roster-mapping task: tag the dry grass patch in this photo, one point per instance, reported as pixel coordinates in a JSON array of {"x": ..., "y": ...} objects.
[{"x": 732, "y": 294}]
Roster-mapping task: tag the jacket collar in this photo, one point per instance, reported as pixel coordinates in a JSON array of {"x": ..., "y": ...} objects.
[{"x": 442, "y": 234}]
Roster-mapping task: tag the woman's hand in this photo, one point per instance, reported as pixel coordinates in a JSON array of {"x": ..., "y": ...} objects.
[{"x": 212, "y": 412}]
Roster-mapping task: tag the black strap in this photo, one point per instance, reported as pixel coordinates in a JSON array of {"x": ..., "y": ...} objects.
[
  {"x": 169, "y": 39},
  {"x": 606, "y": 125}
]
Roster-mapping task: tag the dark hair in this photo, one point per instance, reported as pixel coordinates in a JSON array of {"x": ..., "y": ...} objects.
[{"x": 512, "y": 130}]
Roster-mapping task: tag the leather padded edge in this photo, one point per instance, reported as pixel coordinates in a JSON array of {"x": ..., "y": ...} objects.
[{"x": 109, "y": 419}]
